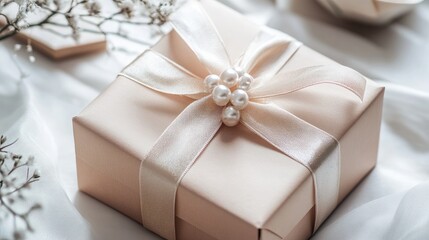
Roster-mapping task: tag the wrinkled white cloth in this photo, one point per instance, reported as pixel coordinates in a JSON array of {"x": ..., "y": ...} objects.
[{"x": 391, "y": 203}]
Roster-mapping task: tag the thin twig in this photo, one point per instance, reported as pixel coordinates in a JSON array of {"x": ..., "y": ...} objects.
[
  {"x": 11, "y": 189},
  {"x": 154, "y": 15},
  {"x": 7, "y": 145},
  {"x": 28, "y": 182}
]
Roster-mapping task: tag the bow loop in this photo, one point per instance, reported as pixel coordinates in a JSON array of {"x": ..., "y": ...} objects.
[
  {"x": 162, "y": 75},
  {"x": 203, "y": 38},
  {"x": 288, "y": 82},
  {"x": 267, "y": 54}
]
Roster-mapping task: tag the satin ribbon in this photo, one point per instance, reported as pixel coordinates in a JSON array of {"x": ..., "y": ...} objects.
[{"x": 182, "y": 142}]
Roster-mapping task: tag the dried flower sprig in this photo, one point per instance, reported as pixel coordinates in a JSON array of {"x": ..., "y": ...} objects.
[
  {"x": 90, "y": 12},
  {"x": 16, "y": 175}
]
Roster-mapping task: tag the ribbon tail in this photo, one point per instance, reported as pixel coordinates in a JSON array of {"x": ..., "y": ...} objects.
[
  {"x": 304, "y": 143},
  {"x": 292, "y": 81},
  {"x": 168, "y": 161},
  {"x": 267, "y": 54}
]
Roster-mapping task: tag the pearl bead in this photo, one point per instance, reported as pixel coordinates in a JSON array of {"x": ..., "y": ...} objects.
[
  {"x": 245, "y": 81},
  {"x": 211, "y": 81},
  {"x": 239, "y": 71},
  {"x": 230, "y": 116},
  {"x": 239, "y": 99},
  {"x": 221, "y": 95},
  {"x": 229, "y": 77}
]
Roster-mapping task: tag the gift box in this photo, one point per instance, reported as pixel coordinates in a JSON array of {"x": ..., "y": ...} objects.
[
  {"x": 369, "y": 11},
  {"x": 56, "y": 47},
  {"x": 56, "y": 42},
  {"x": 243, "y": 183},
  {"x": 61, "y": 48}
]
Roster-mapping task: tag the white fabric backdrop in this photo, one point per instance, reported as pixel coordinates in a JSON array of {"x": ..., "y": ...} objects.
[{"x": 391, "y": 203}]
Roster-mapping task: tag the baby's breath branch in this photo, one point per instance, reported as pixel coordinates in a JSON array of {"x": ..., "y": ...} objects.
[
  {"x": 105, "y": 33},
  {"x": 2, "y": 141},
  {"x": 12, "y": 187},
  {"x": 27, "y": 183},
  {"x": 148, "y": 12}
]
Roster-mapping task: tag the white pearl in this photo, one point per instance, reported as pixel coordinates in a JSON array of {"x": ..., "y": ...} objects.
[
  {"x": 245, "y": 81},
  {"x": 239, "y": 99},
  {"x": 239, "y": 71},
  {"x": 211, "y": 81},
  {"x": 230, "y": 116},
  {"x": 221, "y": 95},
  {"x": 229, "y": 77}
]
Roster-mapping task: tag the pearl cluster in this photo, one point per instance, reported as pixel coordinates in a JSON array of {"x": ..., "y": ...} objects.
[{"x": 229, "y": 91}]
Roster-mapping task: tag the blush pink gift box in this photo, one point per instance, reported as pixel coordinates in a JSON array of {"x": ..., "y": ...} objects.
[{"x": 240, "y": 187}]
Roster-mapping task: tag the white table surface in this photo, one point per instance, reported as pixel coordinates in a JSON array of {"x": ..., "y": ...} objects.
[{"x": 391, "y": 203}]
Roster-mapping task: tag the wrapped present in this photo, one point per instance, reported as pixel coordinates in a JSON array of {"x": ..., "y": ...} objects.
[
  {"x": 57, "y": 47},
  {"x": 57, "y": 42},
  {"x": 228, "y": 130},
  {"x": 369, "y": 11}
]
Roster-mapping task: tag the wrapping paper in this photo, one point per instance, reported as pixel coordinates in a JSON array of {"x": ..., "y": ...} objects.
[
  {"x": 395, "y": 191},
  {"x": 277, "y": 192}
]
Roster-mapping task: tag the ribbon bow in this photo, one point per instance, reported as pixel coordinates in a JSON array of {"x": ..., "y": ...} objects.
[{"x": 232, "y": 93}]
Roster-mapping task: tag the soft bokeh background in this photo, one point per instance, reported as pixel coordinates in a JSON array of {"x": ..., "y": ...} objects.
[{"x": 391, "y": 203}]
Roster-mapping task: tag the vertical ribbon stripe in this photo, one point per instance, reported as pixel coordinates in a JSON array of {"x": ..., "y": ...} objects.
[{"x": 168, "y": 161}]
